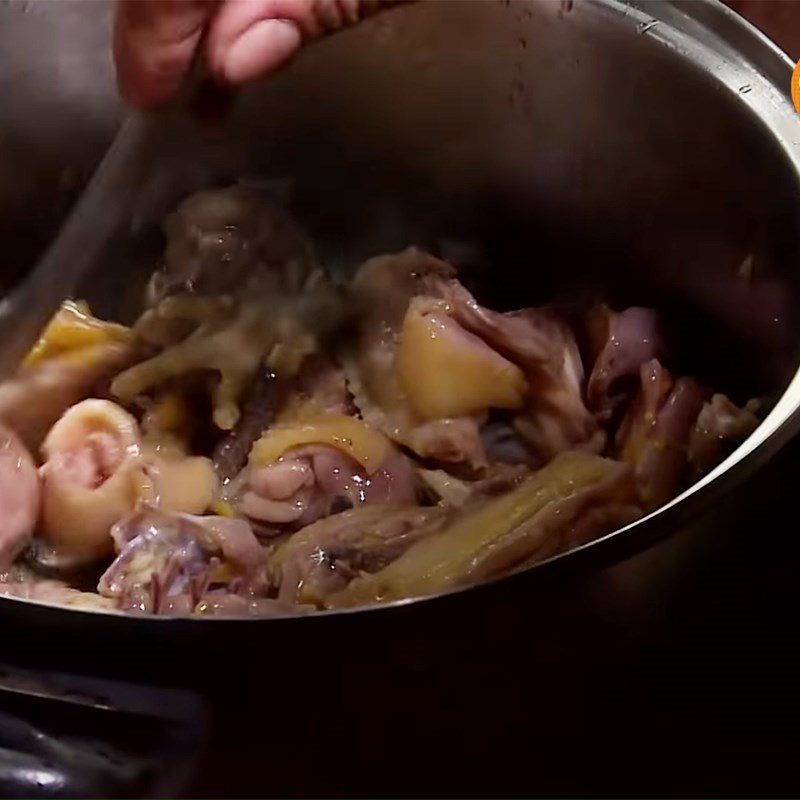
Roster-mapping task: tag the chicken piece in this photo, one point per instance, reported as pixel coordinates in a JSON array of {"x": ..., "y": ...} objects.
[
  {"x": 231, "y": 240},
  {"x": 309, "y": 482},
  {"x": 455, "y": 441},
  {"x": 224, "y": 604},
  {"x": 20, "y": 496},
  {"x": 234, "y": 350},
  {"x": 382, "y": 290},
  {"x": 167, "y": 562},
  {"x": 31, "y": 402},
  {"x": 277, "y": 304},
  {"x": 445, "y": 488},
  {"x": 322, "y": 558},
  {"x": 179, "y": 483},
  {"x": 300, "y": 471},
  {"x": 525, "y": 358},
  {"x": 531, "y": 522},
  {"x": 279, "y": 493},
  {"x": 320, "y": 389},
  {"x": 266, "y": 328},
  {"x": 72, "y": 331},
  {"x": 218, "y": 239},
  {"x": 543, "y": 347},
  {"x": 720, "y": 426},
  {"x": 457, "y": 493},
  {"x": 93, "y": 475},
  {"x": 350, "y": 435},
  {"x": 98, "y": 469},
  {"x": 73, "y": 357},
  {"x": 446, "y": 371},
  {"x": 654, "y": 436},
  {"x": 177, "y": 316},
  {"x": 632, "y": 338},
  {"x": 26, "y": 585},
  {"x": 588, "y": 512},
  {"x": 384, "y": 287}
]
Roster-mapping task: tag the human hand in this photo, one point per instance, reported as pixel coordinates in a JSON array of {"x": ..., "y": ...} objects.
[{"x": 156, "y": 41}]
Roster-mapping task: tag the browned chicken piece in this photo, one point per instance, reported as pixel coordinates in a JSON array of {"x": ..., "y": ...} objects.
[
  {"x": 655, "y": 434},
  {"x": 322, "y": 558},
  {"x": 31, "y": 402},
  {"x": 382, "y": 291},
  {"x": 218, "y": 240},
  {"x": 720, "y": 426}
]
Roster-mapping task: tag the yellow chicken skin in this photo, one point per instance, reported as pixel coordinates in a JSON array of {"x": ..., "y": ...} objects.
[
  {"x": 350, "y": 435},
  {"x": 449, "y": 372}
]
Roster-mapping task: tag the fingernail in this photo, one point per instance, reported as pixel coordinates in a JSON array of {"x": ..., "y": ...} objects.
[{"x": 262, "y": 48}]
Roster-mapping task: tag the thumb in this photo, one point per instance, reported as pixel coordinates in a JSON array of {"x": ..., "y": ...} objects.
[
  {"x": 252, "y": 38},
  {"x": 154, "y": 44}
]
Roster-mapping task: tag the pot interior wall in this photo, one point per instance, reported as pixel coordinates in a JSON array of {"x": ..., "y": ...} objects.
[{"x": 58, "y": 114}]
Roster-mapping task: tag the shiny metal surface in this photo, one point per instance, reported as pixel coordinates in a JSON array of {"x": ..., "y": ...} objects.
[
  {"x": 58, "y": 114},
  {"x": 96, "y": 218},
  {"x": 642, "y": 150}
]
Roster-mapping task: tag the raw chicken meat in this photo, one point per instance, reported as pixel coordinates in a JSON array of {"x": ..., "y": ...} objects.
[{"x": 266, "y": 442}]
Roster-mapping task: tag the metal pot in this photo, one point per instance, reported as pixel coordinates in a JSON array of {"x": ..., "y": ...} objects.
[{"x": 648, "y": 150}]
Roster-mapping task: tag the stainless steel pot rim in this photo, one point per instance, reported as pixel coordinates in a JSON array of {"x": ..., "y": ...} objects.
[{"x": 715, "y": 39}]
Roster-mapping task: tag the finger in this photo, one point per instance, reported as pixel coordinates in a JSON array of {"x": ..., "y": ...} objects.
[
  {"x": 154, "y": 43},
  {"x": 252, "y": 38}
]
